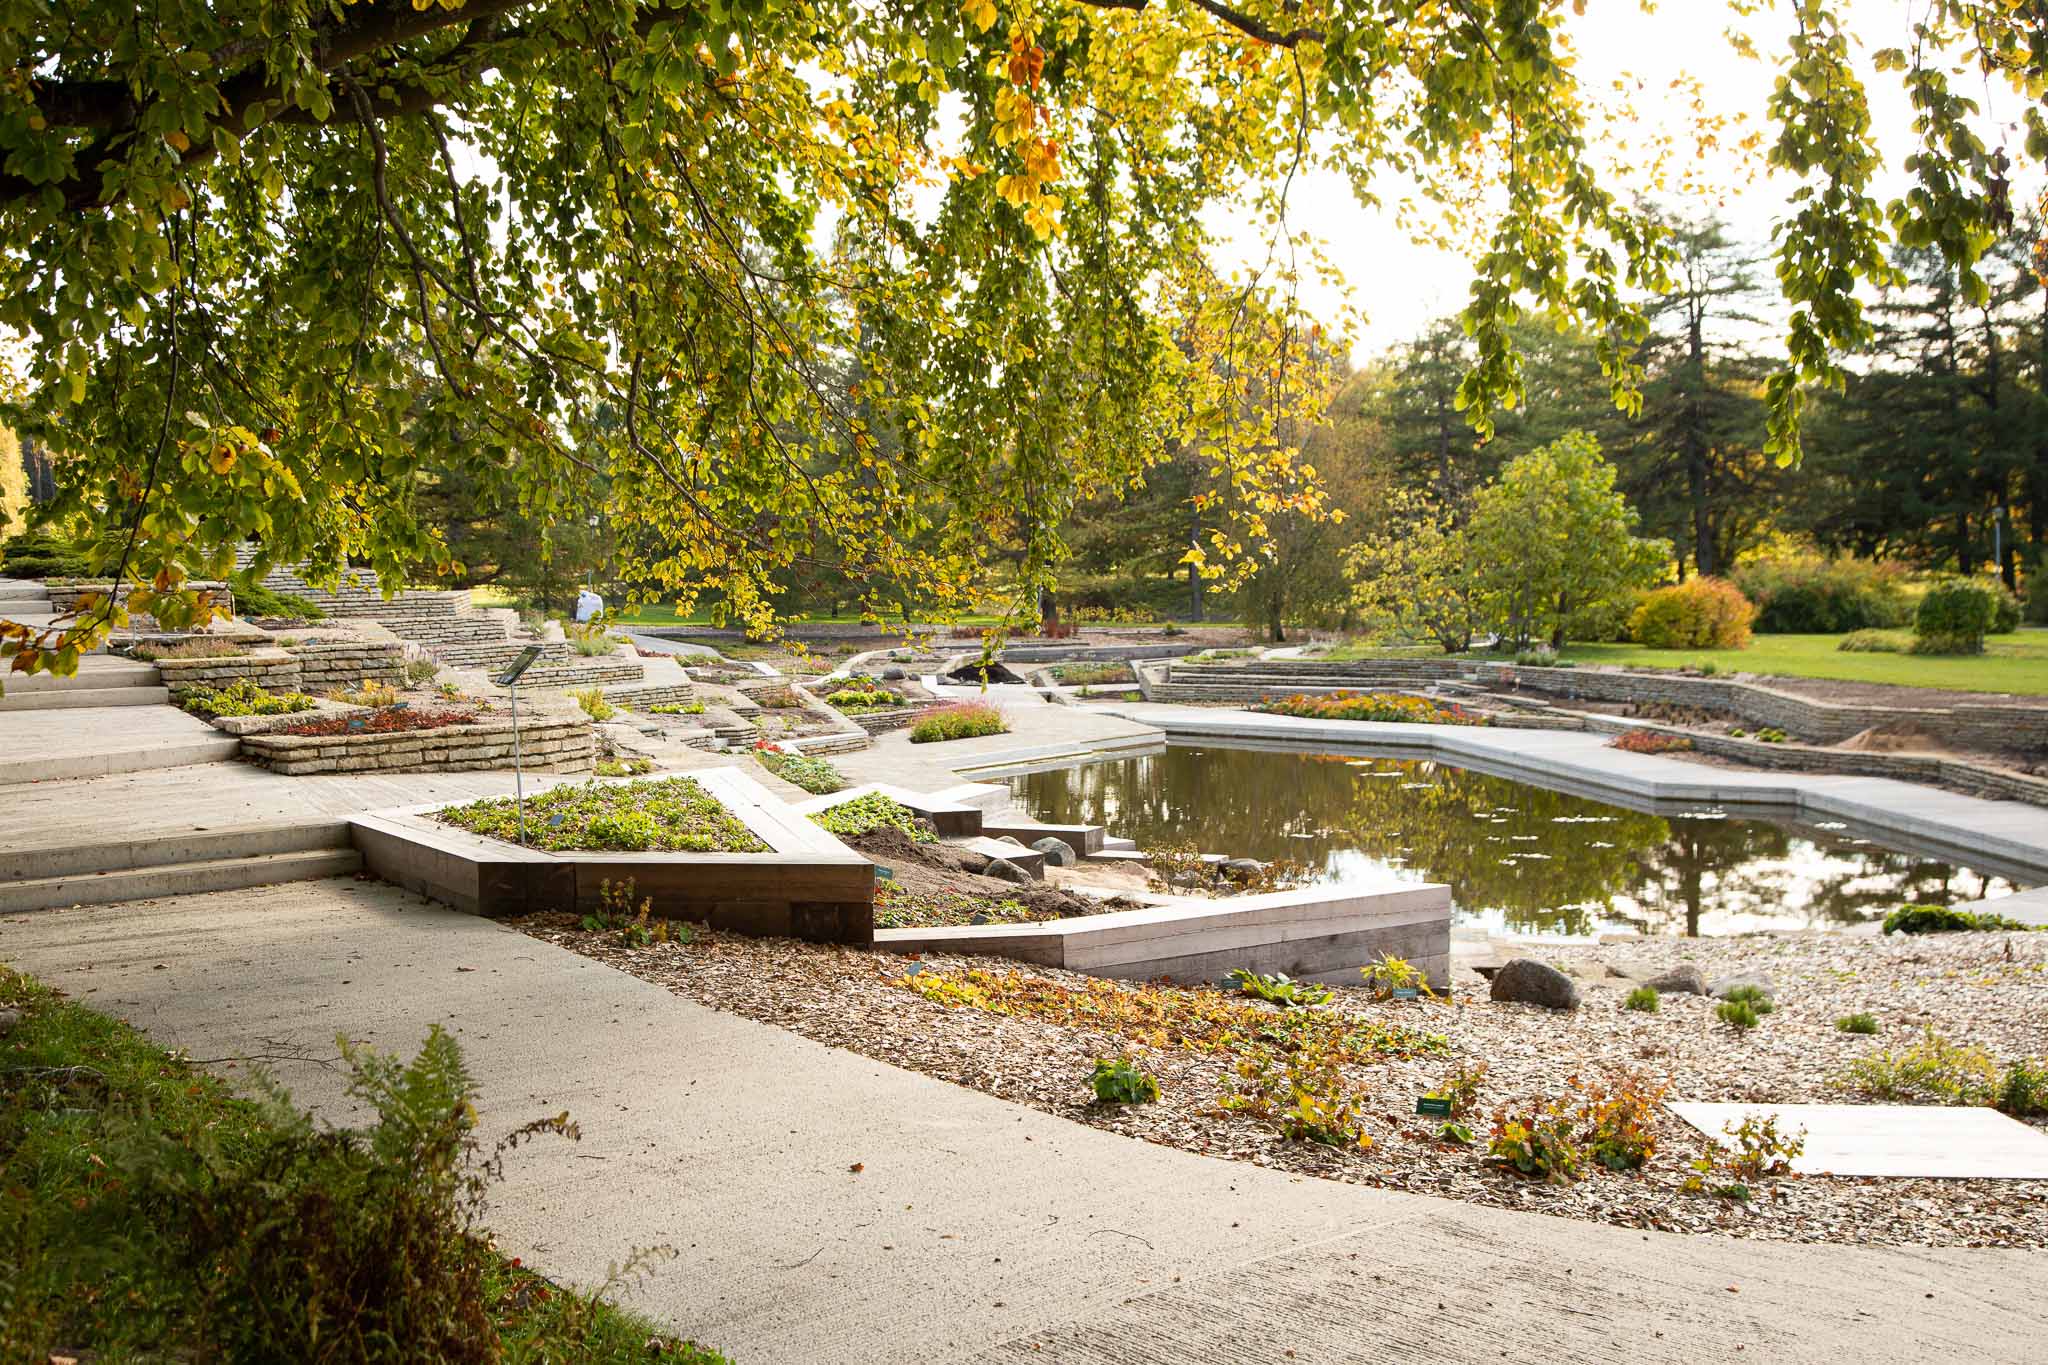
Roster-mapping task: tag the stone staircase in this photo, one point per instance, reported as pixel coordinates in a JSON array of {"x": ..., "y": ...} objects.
[
  {"x": 454, "y": 632},
  {"x": 103, "y": 873}
]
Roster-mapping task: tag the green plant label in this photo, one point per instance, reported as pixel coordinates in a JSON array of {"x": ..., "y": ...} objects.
[
  {"x": 1431, "y": 1107},
  {"x": 1407, "y": 993},
  {"x": 885, "y": 874}
]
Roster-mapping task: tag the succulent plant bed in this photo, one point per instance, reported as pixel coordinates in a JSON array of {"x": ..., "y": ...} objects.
[
  {"x": 670, "y": 814},
  {"x": 383, "y": 720}
]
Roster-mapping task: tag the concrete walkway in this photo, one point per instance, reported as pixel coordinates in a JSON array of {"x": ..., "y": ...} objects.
[{"x": 973, "y": 1229}]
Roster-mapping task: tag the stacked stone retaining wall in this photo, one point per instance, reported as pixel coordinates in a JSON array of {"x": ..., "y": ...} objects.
[
  {"x": 553, "y": 745},
  {"x": 323, "y": 668},
  {"x": 272, "y": 670}
]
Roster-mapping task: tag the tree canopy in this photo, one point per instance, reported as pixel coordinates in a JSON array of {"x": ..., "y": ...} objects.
[{"x": 272, "y": 259}]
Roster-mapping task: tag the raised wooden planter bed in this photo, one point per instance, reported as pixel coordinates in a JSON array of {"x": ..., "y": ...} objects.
[{"x": 808, "y": 885}]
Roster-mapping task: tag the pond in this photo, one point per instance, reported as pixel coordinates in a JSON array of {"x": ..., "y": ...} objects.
[{"x": 1519, "y": 859}]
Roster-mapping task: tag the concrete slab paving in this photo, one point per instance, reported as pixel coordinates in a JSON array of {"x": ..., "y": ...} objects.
[
  {"x": 972, "y": 1228},
  {"x": 1934, "y": 1141},
  {"x": 75, "y": 742}
]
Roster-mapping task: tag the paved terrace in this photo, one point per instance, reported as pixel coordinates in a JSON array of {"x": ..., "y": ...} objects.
[{"x": 973, "y": 1229}]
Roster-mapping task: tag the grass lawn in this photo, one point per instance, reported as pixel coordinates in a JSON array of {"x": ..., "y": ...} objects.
[
  {"x": 148, "y": 1212},
  {"x": 2015, "y": 663},
  {"x": 2010, "y": 663}
]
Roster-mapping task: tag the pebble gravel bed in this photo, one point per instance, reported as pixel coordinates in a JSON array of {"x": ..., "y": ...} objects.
[{"x": 1986, "y": 989}]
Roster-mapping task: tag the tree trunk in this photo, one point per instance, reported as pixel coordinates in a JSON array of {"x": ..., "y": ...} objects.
[{"x": 1704, "y": 555}]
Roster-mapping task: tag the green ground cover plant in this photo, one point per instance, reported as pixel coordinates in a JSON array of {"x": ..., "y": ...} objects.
[
  {"x": 154, "y": 1214},
  {"x": 677, "y": 708},
  {"x": 1931, "y": 1071},
  {"x": 1119, "y": 1081},
  {"x": 1278, "y": 988},
  {"x": 663, "y": 815},
  {"x": 1643, "y": 1000},
  {"x": 815, "y": 775},
  {"x": 866, "y": 814},
  {"x": 242, "y": 697},
  {"x": 1859, "y": 1023},
  {"x": 593, "y": 702},
  {"x": 859, "y": 697},
  {"x": 1092, "y": 675},
  {"x": 253, "y": 599},
  {"x": 1369, "y": 706},
  {"x": 963, "y": 720}
]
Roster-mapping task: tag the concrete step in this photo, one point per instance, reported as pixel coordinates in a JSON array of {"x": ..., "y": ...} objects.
[
  {"x": 176, "y": 879},
  {"x": 48, "y": 698},
  {"x": 212, "y": 747},
  {"x": 197, "y": 845},
  {"x": 95, "y": 673}
]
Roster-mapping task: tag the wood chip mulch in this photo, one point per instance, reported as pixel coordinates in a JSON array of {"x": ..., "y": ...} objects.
[{"x": 1986, "y": 989}]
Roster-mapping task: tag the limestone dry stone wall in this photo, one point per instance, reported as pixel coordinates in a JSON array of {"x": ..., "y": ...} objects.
[{"x": 548, "y": 745}]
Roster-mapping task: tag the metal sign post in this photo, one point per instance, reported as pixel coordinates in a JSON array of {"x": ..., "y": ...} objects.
[{"x": 509, "y": 680}]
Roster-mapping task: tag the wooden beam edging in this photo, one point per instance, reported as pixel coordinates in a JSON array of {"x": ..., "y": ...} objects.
[
  {"x": 807, "y": 885},
  {"x": 1315, "y": 932}
]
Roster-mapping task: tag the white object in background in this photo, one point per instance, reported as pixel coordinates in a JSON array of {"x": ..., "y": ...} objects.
[{"x": 588, "y": 604}]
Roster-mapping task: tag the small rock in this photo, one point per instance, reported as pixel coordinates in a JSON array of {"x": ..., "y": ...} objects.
[
  {"x": 8, "y": 1019},
  {"x": 1531, "y": 982},
  {"x": 1002, "y": 869},
  {"x": 1241, "y": 869},
  {"x": 1631, "y": 971},
  {"x": 1685, "y": 980},
  {"x": 1010, "y": 839},
  {"x": 893, "y": 673},
  {"x": 1057, "y": 851},
  {"x": 1722, "y": 988}
]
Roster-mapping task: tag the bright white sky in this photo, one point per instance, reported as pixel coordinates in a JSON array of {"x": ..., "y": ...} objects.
[{"x": 1400, "y": 286}]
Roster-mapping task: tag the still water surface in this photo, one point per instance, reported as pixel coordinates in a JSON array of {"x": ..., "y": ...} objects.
[{"x": 1518, "y": 858}]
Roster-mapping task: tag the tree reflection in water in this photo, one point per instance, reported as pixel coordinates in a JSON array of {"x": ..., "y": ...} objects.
[{"x": 1516, "y": 856}]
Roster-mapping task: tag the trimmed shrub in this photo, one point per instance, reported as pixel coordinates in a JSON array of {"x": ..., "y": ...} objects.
[
  {"x": 1702, "y": 613},
  {"x": 2005, "y": 610},
  {"x": 38, "y": 554},
  {"x": 1814, "y": 596},
  {"x": 1877, "y": 642},
  {"x": 1954, "y": 617}
]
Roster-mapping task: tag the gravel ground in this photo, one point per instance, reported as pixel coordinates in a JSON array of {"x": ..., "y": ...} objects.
[{"x": 1988, "y": 989}]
